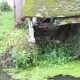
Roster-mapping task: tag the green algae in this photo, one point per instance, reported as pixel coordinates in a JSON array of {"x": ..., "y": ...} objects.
[{"x": 37, "y": 73}]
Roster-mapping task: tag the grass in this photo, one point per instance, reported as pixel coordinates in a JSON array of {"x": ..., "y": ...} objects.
[
  {"x": 8, "y": 36},
  {"x": 18, "y": 39}
]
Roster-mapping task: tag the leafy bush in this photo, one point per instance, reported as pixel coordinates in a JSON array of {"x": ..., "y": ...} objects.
[
  {"x": 22, "y": 59},
  {"x": 68, "y": 21},
  {"x": 52, "y": 52},
  {"x": 4, "y": 6},
  {"x": 25, "y": 58},
  {"x": 46, "y": 53}
]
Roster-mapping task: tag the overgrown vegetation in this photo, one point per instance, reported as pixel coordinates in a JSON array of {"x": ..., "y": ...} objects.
[
  {"x": 45, "y": 58},
  {"x": 53, "y": 52},
  {"x": 5, "y": 7},
  {"x": 45, "y": 53},
  {"x": 9, "y": 36},
  {"x": 74, "y": 46}
]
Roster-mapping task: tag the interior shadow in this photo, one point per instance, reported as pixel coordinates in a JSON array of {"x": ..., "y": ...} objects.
[
  {"x": 60, "y": 33},
  {"x": 49, "y": 39}
]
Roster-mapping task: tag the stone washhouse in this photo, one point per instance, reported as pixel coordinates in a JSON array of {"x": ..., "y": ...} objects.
[{"x": 47, "y": 14}]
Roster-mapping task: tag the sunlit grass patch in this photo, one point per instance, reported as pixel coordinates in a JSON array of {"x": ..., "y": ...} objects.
[{"x": 8, "y": 36}]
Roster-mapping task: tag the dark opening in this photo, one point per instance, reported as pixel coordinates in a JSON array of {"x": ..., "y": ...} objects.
[
  {"x": 60, "y": 33},
  {"x": 60, "y": 77}
]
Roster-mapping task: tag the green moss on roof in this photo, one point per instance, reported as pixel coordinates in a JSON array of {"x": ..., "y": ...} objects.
[{"x": 51, "y": 8}]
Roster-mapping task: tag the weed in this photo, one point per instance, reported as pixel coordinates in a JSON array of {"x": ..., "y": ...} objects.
[{"x": 68, "y": 21}]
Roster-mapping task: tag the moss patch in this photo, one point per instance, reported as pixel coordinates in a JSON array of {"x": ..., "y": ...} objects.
[{"x": 51, "y": 8}]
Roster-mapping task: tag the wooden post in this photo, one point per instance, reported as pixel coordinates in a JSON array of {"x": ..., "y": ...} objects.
[
  {"x": 31, "y": 31},
  {"x": 18, "y": 6}
]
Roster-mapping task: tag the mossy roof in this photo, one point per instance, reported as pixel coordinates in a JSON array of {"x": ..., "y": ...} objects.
[{"x": 51, "y": 8}]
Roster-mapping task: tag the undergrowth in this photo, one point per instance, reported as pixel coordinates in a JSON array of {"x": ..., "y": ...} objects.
[
  {"x": 52, "y": 52},
  {"x": 43, "y": 57},
  {"x": 44, "y": 53}
]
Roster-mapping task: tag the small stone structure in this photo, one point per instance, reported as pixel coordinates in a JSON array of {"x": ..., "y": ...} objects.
[{"x": 60, "y": 12}]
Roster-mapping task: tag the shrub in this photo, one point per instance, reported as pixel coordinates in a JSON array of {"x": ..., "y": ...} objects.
[
  {"x": 22, "y": 59},
  {"x": 52, "y": 52},
  {"x": 46, "y": 53},
  {"x": 25, "y": 58},
  {"x": 4, "y": 6}
]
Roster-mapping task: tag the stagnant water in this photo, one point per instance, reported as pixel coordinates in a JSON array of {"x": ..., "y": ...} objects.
[
  {"x": 4, "y": 76},
  {"x": 60, "y": 77}
]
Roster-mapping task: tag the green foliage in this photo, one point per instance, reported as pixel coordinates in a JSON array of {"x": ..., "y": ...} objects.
[
  {"x": 45, "y": 53},
  {"x": 25, "y": 58},
  {"x": 5, "y": 7},
  {"x": 74, "y": 46},
  {"x": 68, "y": 21},
  {"x": 52, "y": 52},
  {"x": 6, "y": 25},
  {"x": 22, "y": 59}
]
